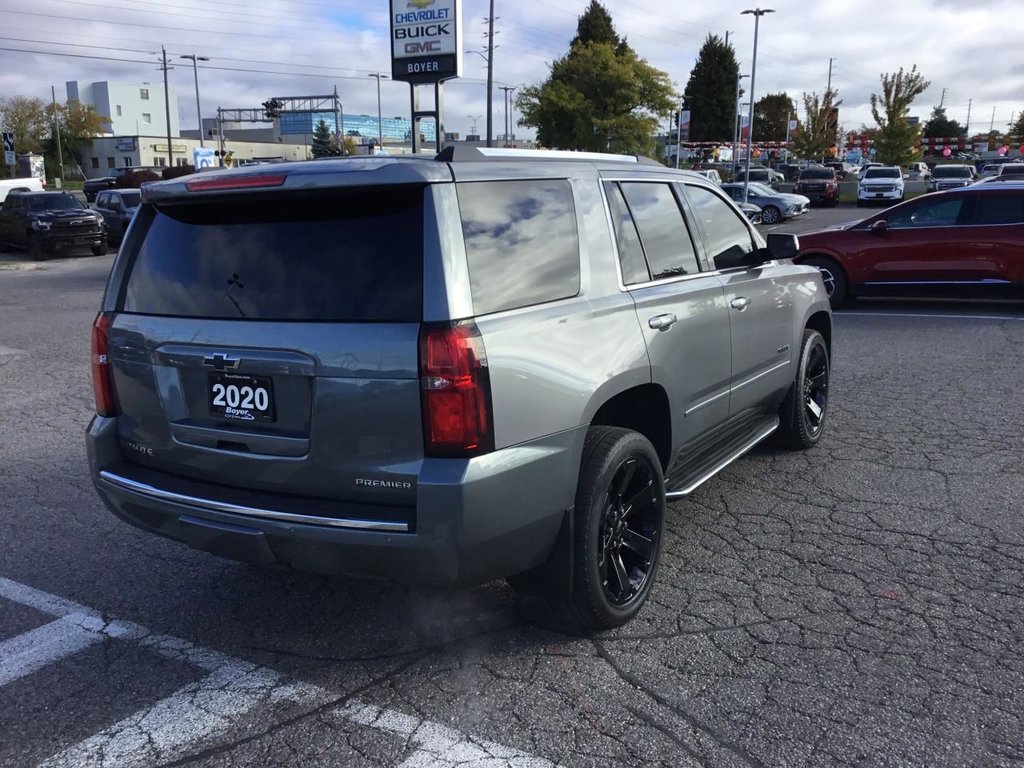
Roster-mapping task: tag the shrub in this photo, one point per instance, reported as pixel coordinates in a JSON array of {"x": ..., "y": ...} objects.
[
  {"x": 178, "y": 170},
  {"x": 135, "y": 179}
]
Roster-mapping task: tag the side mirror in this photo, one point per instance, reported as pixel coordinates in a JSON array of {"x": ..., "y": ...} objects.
[
  {"x": 880, "y": 227},
  {"x": 783, "y": 246}
]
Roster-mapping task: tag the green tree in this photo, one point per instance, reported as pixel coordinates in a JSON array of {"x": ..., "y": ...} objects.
[
  {"x": 710, "y": 93},
  {"x": 897, "y": 140},
  {"x": 77, "y": 123},
  {"x": 600, "y": 96},
  {"x": 323, "y": 144},
  {"x": 595, "y": 26},
  {"x": 772, "y": 113},
  {"x": 940, "y": 127},
  {"x": 1016, "y": 132},
  {"x": 26, "y": 118},
  {"x": 818, "y": 132}
]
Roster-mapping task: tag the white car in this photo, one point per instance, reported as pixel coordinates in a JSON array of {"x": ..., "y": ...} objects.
[
  {"x": 880, "y": 184},
  {"x": 711, "y": 175}
]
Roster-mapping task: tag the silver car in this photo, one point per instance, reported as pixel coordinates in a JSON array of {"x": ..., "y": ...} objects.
[
  {"x": 775, "y": 206},
  {"x": 489, "y": 364}
]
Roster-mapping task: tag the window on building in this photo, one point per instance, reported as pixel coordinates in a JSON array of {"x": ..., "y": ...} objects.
[
  {"x": 118, "y": 108},
  {"x": 95, "y": 162},
  {"x": 110, "y": 162},
  {"x": 128, "y": 162},
  {"x": 181, "y": 161},
  {"x": 160, "y": 161},
  {"x": 144, "y": 94},
  {"x": 147, "y": 118}
]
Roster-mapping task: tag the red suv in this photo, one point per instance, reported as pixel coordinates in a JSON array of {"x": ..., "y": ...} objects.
[
  {"x": 819, "y": 185},
  {"x": 964, "y": 242}
]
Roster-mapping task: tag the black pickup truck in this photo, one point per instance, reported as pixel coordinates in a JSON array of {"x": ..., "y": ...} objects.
[
  {"x": 43, "y": 222},
  {"x": 92, "y": 187}
]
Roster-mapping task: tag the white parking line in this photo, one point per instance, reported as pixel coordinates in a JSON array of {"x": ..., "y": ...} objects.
[{"x": 175, "y": 726}]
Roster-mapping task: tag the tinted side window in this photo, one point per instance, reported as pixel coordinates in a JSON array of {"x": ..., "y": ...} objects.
[
  {"x": 631, "y": 253},
  {"x": 927, "y": 213},
  {"x": 521, "y": 242},
  {"x": 347, "y": 255},
  {"x": 998, "y": 209},
  {"x": 725, "y": 231},
  {"x": 663, "y": 233}
]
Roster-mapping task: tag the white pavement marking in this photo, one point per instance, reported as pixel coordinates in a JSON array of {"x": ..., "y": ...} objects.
[
  {"x": 177, "y": 725},
  {"x": 937, "y": 315}
]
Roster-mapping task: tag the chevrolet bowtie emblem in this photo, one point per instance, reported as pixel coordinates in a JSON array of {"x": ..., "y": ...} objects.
[{"x": 221, "y": 362}]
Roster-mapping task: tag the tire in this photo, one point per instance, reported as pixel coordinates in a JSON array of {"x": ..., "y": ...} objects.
[
  {"x": 36, "y": 248},
  {"x": 101, "y": 249},
  {"x": 618, "y": 529},
  {"x": 804, "y": 411},
  {"x": 834, "y": 277},
  {"x": 770, "y": 215}
]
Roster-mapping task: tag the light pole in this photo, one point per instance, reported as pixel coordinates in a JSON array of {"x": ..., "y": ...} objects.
[
  {"x": 195, "y": 72},
  {"x": 679, "y": 126},
  {"x": 508, "y": 89},
  {"x": 380, "y": 122},
  {"x": 757, "y": 13},
  {"x": 736, "y": 136},
  {"x": 474, "y": 118}
]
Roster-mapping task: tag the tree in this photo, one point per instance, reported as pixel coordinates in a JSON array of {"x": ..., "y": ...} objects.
[
  {"x": 77, "y": 123},
  {"x": 710, "y": 93},
  {"x": 26, "y": 119},
  {"x": 595, "y": 26},
  {"x": 600, "y": 96},
  {"x": 818, "y": 132},
  {"x": 897, "y": 140},
  {"x": 940, "y": 127},
  {"x": 772, "y": 114},
  {"x": 1016, "y": 132},
  {"x": 324, "y": 144}
]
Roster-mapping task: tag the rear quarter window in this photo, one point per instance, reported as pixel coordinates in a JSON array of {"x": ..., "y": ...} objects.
[
  {"x": 346, "y": 255},
  {"x": 521, "y": 242}
]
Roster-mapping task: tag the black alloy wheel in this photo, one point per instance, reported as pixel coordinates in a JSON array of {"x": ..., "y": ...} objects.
[
  {"x": 803, "y": 413},
  {"x": 815, "y": 389},
  {"x": 629, "y": 531}
]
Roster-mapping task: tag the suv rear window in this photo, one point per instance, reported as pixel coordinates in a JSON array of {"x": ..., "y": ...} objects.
[
  {"x": 521, "y": 242},
  {"x": 352, "y": 255}
]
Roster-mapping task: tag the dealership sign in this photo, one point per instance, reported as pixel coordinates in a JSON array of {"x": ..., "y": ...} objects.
[{"x": 426, "y": 40}]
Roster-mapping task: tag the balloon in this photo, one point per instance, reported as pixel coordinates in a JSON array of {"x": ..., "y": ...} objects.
[
  {"x": 947, "y": 152},
  {"x": 1002, "y": 151}
]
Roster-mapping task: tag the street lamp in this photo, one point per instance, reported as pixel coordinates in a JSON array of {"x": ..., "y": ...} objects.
[
  {"x": 736, "y": 136},
  {"x": 195, "y": 72},
  {"x": 679, "y": 126},
  {"x": 474, "y": 118},
  {"x": 757, "y": 13},
  {"x": 380, "y": 122}
]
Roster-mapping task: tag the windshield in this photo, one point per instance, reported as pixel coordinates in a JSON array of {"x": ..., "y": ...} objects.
[
  {"x": 53, "y": 203},
  {"x": 951, "y": 172},
  {"x": 760, "y": 189},
  {"x": 883, "y": 173},
  {"x": 817, "y": 174},
  {"x": 1015, "y": 170},
  {"x": 131, "y": 199}
]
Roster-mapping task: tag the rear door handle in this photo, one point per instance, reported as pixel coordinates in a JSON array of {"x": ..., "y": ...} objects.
[
  {"x": 662, "y": 322},
  {"x": 740, "y": 303}
]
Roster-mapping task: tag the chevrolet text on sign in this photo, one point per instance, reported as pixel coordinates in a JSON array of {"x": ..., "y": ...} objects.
[{"x": 426, "y": 40}]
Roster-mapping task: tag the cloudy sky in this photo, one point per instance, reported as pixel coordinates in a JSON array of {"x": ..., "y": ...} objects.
[{"x": 263, "y": 48}]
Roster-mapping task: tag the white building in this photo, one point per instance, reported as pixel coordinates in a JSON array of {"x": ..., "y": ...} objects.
[{"x": 131, "y": 109}]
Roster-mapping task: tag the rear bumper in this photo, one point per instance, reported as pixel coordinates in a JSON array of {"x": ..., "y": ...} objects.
[{"x": 475, "y": 520}]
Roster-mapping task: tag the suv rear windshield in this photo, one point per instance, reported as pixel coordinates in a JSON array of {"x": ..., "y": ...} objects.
[
  {"x": 351, "y": 255},
  {"x": 951, "y": 172}
]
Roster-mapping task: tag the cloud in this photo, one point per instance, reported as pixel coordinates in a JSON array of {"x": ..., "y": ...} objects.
[{"x": 264, "y": 48}]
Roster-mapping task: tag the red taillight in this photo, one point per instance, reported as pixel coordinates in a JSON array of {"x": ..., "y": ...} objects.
[
  {"x": 214, "y": 182},
  {"x": 456, "y": 391},
  {"x": 102, "y": 379}
]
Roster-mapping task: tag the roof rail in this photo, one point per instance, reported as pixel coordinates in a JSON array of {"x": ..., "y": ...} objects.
[{"x": 467, "y": 154}]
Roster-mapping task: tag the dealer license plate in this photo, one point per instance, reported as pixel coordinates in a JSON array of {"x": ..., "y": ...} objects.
[{"x": 239, "y": 397}]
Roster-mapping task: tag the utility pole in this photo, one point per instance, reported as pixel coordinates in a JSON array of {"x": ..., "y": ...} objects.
[
  {"x": 508, "y": 89},
  {"x": 757, "y": 13},
  {"x": 490, "y": 74},
  {"x": 967, "y": 125},
  {"x": 828, "y": 90},
  {"x": 195, "y": 73},
  {"x": 167, "y": 108},
  {"x": 992, "y": 122},
  {"x": 679, "y": 128},
  {"x": 337, "y": 122},
  {"x": 380, "y": 119},
  {"x": 942, "y": 99},
  {"x": 56, "y": 130},
  {"x": 736, "y": 136}
]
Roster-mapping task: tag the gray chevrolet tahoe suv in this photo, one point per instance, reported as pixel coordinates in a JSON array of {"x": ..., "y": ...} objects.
[{"x": 486, "y": 364}]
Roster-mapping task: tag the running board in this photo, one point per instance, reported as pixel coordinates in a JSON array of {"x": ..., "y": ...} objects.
[{"x": 684, "y": 483}]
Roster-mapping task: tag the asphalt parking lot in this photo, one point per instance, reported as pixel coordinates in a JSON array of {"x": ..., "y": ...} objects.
[{"x": 860, "y": 604}]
